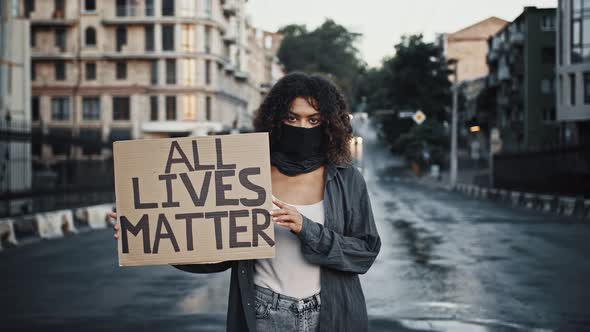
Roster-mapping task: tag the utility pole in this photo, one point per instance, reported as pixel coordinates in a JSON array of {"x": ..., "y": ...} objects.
[{"x": 453, "y": 170}]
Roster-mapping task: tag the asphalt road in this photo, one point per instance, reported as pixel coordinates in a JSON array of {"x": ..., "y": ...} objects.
[{"x": 448, "y": 263}]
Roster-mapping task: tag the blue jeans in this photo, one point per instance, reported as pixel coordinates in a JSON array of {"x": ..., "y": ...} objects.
[{"x": 278, "y": 312}]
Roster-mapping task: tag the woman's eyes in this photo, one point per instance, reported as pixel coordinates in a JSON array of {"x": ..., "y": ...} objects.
[{"x": 312, "y": 120}]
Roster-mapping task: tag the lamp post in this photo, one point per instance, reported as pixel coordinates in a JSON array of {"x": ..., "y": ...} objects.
[{"x": 453, "y": 170}]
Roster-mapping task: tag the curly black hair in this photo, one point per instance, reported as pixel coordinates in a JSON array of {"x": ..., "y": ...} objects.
[{"x": 324, "y": 96}]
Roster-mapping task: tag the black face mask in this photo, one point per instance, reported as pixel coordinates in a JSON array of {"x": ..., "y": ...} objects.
[{"x": 298, "y": 150}]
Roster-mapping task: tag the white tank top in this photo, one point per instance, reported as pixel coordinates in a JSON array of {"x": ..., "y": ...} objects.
[{"x": 288, "y": 272}]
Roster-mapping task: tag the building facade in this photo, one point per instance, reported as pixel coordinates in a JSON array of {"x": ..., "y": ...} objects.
[
  {"x": 15, "y": 111},
  {"x": 469, "y": 46},
  {"x": 573, "y": 70},
  {"x": 521, "y": 59},
  {"x": 126, "y": 69}
]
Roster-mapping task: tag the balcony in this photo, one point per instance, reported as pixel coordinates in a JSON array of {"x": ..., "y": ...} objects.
[
  {"x": 241, "y": 75},
  {"x": 230, "y": 8},
  {"x": 130, "y": 14},
  {"x": 517, "y": 38},
  {"x": 230, "y": 38},
  {"x": 492, "y": 80},
  {"x": 492, "y": 56},
  {"x": 54, "y": 21}
]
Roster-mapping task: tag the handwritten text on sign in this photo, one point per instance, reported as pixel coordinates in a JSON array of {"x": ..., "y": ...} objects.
[{"x": 194, "y": 199}]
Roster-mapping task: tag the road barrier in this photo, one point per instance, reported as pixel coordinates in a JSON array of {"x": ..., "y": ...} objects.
[
  {"x": 562, "y": 205},
  {"x": 50, "y": 225},
  {"x": 7, "y": 236},
  {"x": 95, "y": 216}
]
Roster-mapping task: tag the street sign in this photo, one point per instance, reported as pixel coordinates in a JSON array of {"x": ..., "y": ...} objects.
[
  {"x": 405, "y": 114},
  {"x": 419, "y": 117}
]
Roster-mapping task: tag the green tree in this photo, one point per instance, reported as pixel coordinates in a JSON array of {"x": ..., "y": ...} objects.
[
  {"x": 329, "y": 49},
  {"x": 414, "y": 78}
]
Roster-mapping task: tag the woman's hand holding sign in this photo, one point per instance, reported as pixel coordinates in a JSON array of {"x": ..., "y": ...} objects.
[
  {"x": 116, "y": 227},
  {"x": 287, "y": 216}
]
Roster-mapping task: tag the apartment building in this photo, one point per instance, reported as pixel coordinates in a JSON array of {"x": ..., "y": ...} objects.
[
  {"x": 573, "y": 70},
  {"x": 469, "y": 46},
  {"x": 521, "y": 59},
  {"x": 15, "y": 111},
  {"x": 126, "y": 69}
]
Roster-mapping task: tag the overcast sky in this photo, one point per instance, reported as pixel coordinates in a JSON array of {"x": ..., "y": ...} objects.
[{"x": 383, "y": 22}]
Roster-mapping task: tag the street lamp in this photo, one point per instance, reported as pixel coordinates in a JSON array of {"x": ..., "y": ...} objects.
[{"x": 453, "y": 172}]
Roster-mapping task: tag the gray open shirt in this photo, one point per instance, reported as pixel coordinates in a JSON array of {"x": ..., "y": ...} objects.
[{"x": 345, "y": 246}]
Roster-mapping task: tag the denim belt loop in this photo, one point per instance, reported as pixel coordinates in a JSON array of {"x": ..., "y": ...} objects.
[
  {"x": 275, "y": 300},
  {"x": 317, "y": 298}
]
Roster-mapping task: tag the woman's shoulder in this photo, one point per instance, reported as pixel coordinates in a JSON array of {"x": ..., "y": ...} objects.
[{"x": 351, "y": 174}]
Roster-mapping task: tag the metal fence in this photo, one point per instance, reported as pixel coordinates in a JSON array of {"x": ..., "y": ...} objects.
[
  {"x": 560, "y": 170},
  {"x": 30, "y": 184}
]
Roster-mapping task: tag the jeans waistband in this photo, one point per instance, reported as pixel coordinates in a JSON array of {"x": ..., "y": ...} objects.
[{"x": 280, "y": 300}]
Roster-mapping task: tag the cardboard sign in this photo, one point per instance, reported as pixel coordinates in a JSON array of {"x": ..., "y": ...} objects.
[{"x": 193, "y": 199}]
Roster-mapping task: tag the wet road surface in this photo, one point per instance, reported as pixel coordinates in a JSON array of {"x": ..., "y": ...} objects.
[{"x": 448, "y": 263}]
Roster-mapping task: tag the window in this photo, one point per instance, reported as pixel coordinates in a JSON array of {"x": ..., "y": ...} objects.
[
  {"x": 33, "y": 71},
  {"x": 545, "y": 86},
  {"x": 90, "y": 71},
  {"x": 187, "y": 8},
  {"x": 208, "y": 108},
  {"x": 60, "y": 39},
  {"x": 121, "y": 36},
  {"x": 580, "y": 31},
  {"x": 548, "y": 22},
  {"x": 268, "y": 42},
  {"x": 121, "y": 70},
  {"x": 35, "y": 108},
  {"x": 60, "y": 70},
  {"x": 29, "y": 7},
  {"x": 149, "y": 8},
  {"x": 188, "y": 38},
  {"x": 548, "y": 55},
  {"x": 60, "y": 108},
  {"x": 33, "y": 36},
  {"x": 91, "y": 108},
  {"x": 90, "y": 5},
  {"x": 149, "y": 38},
  {"x": 154, "y": 72},
  {"x": 561, "y": 90},
  {"x": 208, "y": 10},
  {"x": 168, "y": 37},
  {"x": 94, "y": 134},
  {"x": 90, "y": 36},
  {"x": 587, "y": 88},
  {"x": 59, "y": 7},
  {"x": 170, "y": 107},
  {"x": 170, "y": 71},
  {"x": 189, "y": 107},
  {"x": 121, "y": 108},
  {"x": 153, "y": 108},
  {"x": 207, "y": 40},
  {"x": 207, "y": 72},
  {"x": 167, "y": 7},
  {"x": 188, "y": 71},
  {"x": 572, "y": 89}
]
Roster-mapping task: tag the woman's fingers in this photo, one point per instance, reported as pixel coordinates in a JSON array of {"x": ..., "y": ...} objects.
[
  {"x": 282, "y": 205},
  {"x": 279, "y": 212}
]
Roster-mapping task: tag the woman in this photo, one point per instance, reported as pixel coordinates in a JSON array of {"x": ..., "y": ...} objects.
[{"x": 325, "y": 233}]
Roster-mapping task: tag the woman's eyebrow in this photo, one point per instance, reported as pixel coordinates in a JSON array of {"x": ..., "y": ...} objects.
[{"x": 297, "y": 115}]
